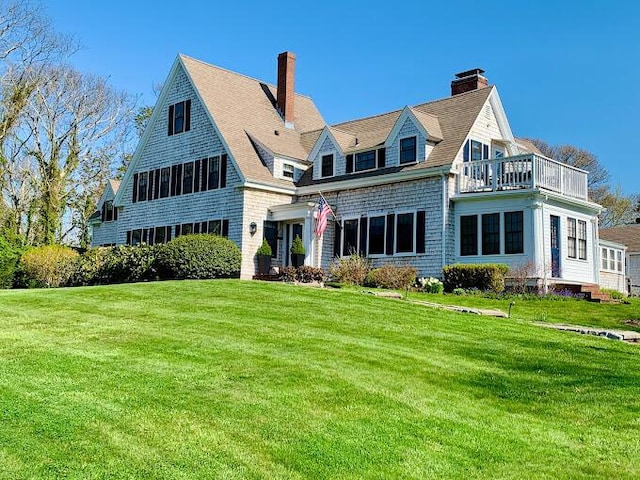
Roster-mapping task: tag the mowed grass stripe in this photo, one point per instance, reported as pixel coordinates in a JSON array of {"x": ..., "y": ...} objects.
[{"x": 232, "y": 379}]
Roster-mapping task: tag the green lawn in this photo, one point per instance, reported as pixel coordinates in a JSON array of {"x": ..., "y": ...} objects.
[{"x": 232, "y": 379}]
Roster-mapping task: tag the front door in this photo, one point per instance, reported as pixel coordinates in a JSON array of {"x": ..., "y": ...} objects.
[{"x": 555, "y": 246}]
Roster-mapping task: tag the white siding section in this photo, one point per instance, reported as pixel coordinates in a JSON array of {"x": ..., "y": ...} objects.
[
  {"x": 484, "y": 129},
  {"x": 496, "y": 205}
]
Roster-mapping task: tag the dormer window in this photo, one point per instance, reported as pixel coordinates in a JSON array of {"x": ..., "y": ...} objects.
[
  {"x": 179, "y": 117},
  {"x": 288, "y": 170},
  {"x": 109, "y": 213},
  {"x": 408, "y": 152},
  {"x": 327, "y": 166},
  {"x": 364, "y": 161}
]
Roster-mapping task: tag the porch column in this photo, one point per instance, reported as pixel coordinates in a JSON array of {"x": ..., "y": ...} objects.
[
  {"x": 538, "y": 237},
  {"x": 309, "y": 236}
]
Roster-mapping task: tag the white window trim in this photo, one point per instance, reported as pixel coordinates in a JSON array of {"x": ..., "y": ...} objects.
[
  {"x": 395, "y": 236},
  {"x": 384, "y": 238},
  {"x": 346, "y": 219},
  {"x": 375, "y": 155},
  {"x": 293, "y": 171},
  {"x": 400, "y": 149}
]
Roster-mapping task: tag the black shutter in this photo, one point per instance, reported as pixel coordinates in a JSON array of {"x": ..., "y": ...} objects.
[
  {"x": 420, "y": 231},
  {"x": 151, "y": 236},
  {"x": 223, "y": 171},
  {"x": 187, "y": 115},
  {"x": 104, "y": 211},
  {"x": 225, "y": 228},
  {"x": 196, "y": 227},
  {"x": 156, "y": 185},
  {"x": 205, "y": 174},
  {"x": 115, "y": 213},
  {"x": 144, "y": 236},
  {"x": 128, "y": 237},
  {"x": 485, "y": 152},
  {"x": 364, "y": 228},
  {"x": 336, "y": 239},
  {"x": 168, "y": 233},
  {"x": 196, "y": 176},
  {"x": 135, "y": 188},
  {"x": 178, "y": 228},
  {"x": 350, "y": 163},
  {"x": 179, "y": 180},
  {"x": 171, "y": 107},
  {"x": 466, "y": 151},
  {"x": 174, "y": 179},
  {"x": 150, "y": 185},
  {"x": 391, "y": 225},
  {"x": 382, "y": 157}
]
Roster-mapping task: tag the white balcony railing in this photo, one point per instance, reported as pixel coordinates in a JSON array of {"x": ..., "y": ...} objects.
[{"x": 523, "y": 171}]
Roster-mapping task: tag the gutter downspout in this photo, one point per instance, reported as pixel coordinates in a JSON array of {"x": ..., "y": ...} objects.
[{"x": 445, "y": 213}]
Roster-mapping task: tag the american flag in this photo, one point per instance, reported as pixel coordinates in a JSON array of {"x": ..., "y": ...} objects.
[{"x": 322, "y": 216}]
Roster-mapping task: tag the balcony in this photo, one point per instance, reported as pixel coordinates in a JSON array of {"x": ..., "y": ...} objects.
[{"x": 522, "y": 172}]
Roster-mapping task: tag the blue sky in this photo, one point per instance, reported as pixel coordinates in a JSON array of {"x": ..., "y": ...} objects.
[{"x": 567, "y": 71}]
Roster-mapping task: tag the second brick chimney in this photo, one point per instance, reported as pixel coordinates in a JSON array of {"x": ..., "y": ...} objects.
[
  {"x": 467, "y": 81},
  {"x": 286, "y": 94}
]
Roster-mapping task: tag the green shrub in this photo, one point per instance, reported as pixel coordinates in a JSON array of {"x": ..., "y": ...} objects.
[
  {"x": 48, "y": 266},
  {"x": 89, "y": 267},
  {"x": 297, "y": 247},
  {"x": 614, "y": 294},
  {"x": 351, "y": 270},
  {"x": 9, "y": 258},
  {"x": 264, "y": 249},
  {"x": 484, "y": 277},
  {"x": 459, "y": 291},
  {"x": 393, "y": 277},
  {"x": 199, "y": 256},
  {"x": 128, "y": 264}
]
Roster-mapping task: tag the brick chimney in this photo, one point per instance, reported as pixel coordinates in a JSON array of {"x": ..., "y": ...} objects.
[
  {"x": 286, "y": 75},
  {"x": 467, "y": 81}
]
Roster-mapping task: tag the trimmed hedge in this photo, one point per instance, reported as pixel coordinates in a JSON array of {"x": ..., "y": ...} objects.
[
  {"x": 48, "y": 266},
  {"x": 485, "y": 277},
  {"x": 199, "y": 256},
  {"x": 127, "y": 264}
]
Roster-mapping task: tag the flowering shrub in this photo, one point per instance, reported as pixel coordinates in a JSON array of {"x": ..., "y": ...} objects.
[{"x": 431, "y": 285}]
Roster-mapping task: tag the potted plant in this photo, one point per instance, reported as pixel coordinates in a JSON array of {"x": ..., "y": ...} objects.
[
  {"x": 297, "y": 252},
  {"x": 264, "y": 254}
]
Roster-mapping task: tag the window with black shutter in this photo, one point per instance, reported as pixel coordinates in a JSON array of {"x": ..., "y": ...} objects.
[
  {"x": 156, "y": 185},
  {"x": 223, "y": 171},
  {"x": 337, "y": 234},
  {"x": 214, "y": 172},
  {"x": 382, "y": 157},
  {"x": 421, "y": 231},
  {"x": 408, "y": 150},
  {"x": 376, "y": 235},
  {"x": 204, "y": 179},
  {"x": 174, "y": 179},
  {"x": 271, "y": 236},
  {"x": 134, "y": 198},
  {"x": 187, "y": 178},
  {"x": 350, "y": 238},
  {"x": 363, "y": 236},
  {"x": 391, "y": 223},
  {"x": 327, "y": 166},
  {"x": 165, "y": 176},
  {"x": 225, "y": 228},
  {"x": 350, "y": 163},
  {"x": 179, "y": 117},
  {"x": 150, "y": 185},
  {"x": 179, "y": 179},
  {"x": 196, "y": 176},
  {"x": 405, "y": 233},
  {"x": 142, "y": 186}
]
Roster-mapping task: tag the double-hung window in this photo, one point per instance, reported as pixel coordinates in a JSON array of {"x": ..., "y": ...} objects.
[
  {"x": 377, "y": 235},
  {"x": 513, "y": 232},
  {"x": 326, "y": 168},
  {"x": 491, "y": 234},
  {"x": 408, "y": 152},
  {"x": 179, "y": 117},
  {"x": 350, "y": 240},
  {"x": 365, "y": 160},
  {"x": 469, "y": 235},
  {"x": 288, "y": 170},
  {"x": 582, "y": 239},
  {"x": 577, "y": 238},
  {"x": 405, "y": 232}
]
